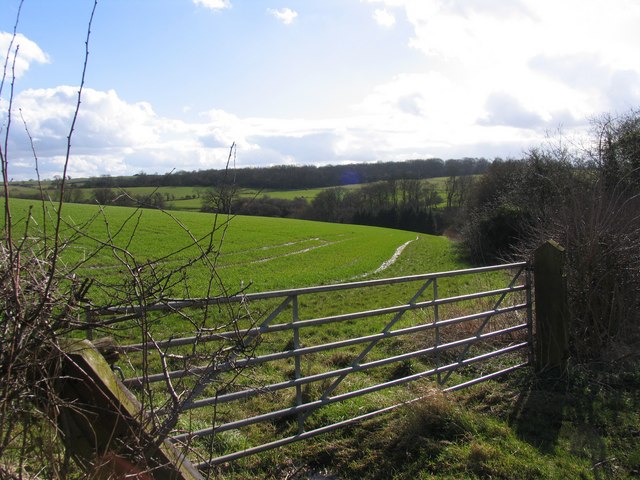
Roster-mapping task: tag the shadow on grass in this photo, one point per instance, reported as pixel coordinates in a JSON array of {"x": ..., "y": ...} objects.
[
  {"x": 537, "y": 416},
  {"x": 592, "y": 415}
]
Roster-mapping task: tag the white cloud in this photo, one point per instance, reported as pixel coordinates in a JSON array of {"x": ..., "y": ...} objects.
[
  {"x": 112, "y": 136},
  {"x": 102, "y": 114},
  {"x": 493, "y": 78},
  {"x": 115, "y": 137},
  {"x": 401, "y": 119},
  {"x": 213, "y": 4},
  {"x": 499, "y": 72},
  {"x": 28, "y": 52},
  {"x": 285, "y": 15},
  {"x": 505, "y": 110},
  {"x": 384, "y": 18}
]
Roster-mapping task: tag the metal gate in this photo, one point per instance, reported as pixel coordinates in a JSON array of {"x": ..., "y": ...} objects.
[{"x": 262, "y": 370}]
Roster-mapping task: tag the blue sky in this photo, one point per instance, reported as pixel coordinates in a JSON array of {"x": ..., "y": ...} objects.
[{"x": 171, "y": 84}]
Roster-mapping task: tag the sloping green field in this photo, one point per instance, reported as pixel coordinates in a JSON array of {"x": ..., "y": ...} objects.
[
  {"x": 524, "y": 427},
  {"x": 268, "y": 253}
]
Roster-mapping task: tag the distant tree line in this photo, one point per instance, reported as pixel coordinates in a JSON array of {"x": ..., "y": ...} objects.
[
  {"x": 408, "y": 204},
  {"x": 394, "y": 195},
  {"x": 100, "y": 195},
  {"x": 290, "y": 177},
  {"x": 120, "y": 197}
]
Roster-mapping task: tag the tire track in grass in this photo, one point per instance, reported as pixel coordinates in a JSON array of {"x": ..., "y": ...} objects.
[
  {"x": 271, "y": 247},
  {"x": 241, "y": 252},
  {"x": 296, "y": 252},
  {"x": 387, "y": 263}
]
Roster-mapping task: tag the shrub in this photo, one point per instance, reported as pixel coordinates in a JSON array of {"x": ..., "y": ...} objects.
[{"x": 588, "y": 203}]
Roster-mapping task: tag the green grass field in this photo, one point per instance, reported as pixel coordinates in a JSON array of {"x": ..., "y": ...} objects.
[
  {"x": 188, "y": 198},
  {"x": 267, "y": 253},
  {"x": 523, "y": 427}
]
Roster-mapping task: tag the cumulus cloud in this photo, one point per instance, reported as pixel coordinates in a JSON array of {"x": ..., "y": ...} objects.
[
  {"x": 213, "y": 4},
  {"x": 111, "y": 136},
  {"x": 285, "y": 15},
  {"x": 411, "y": 103},
  {"x": 498, "y": 8},
  {"x": 28, "y": 52},
  {"x": 116, "y": 137},
  {"x": 503, "y": 109},
  {"x": 316, "y": 147},
  {"x": 384, "y": 18},
  {"x": 615, "y": 89},
  {"x": 578, "y": 70},
  {"x": 491, "y": 78},
  {"x": 623, "y": 92},
  {"x": 497, "y": 73},
  {"x": 103, "y": 116},
  {"x": 543, "y": 53}
]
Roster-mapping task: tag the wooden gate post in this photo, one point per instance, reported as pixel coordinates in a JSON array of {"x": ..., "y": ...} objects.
[
  {"x": 102, "y": 418},
  {"x": 551, "y": 308}
]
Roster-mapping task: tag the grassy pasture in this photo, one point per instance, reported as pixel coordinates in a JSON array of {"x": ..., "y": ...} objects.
[
  {"x": 267, "y": 253},
  {"x": 176, "y": 198},
  {"x": 187, "y": 198},
  {"x": 258, "y": 253},
  {"x": 520, "y": 428},
  {"x": 582, "y": 426}
]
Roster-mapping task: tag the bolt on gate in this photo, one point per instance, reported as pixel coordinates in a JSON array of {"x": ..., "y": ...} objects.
[{"x": 261, "y": 370}]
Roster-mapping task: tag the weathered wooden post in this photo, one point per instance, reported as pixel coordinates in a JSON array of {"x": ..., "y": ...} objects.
[
  {"x": 551, "y": 308},
  {"x": 102, "y": 418}
]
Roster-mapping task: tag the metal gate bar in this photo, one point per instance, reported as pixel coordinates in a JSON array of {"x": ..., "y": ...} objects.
[
  {"x": 377, "y": 340},
  {"x": 175, "y": 374},
  {"x": 265, "y": 329},
  {"x": 296, "y": 324},
  {"x": 244, "y": 394},
  {"x": 485, "y": 322},
  {"x": 356, "y": 393}
]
